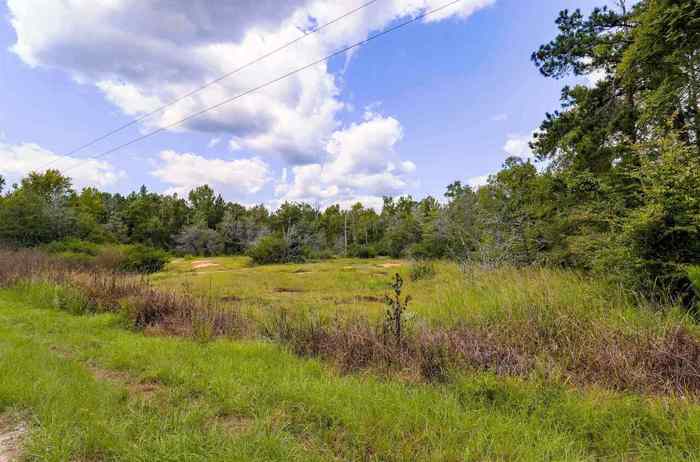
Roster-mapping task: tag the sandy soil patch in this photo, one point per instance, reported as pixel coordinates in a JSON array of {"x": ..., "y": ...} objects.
[
  {"x": 391, "y": 265},
  {"x": 145, "y": 390},
  {"x": 11, "y": 435},
  {"x": 203, "y": 264},
  {"x": 233, "y": 424}
]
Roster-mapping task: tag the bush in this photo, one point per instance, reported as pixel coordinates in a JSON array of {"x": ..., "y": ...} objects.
[
  {"x": 269, "y": 249},
  {"x": 363, "y": 251},
  {"x": 324, "y": 254},
  {"x": 198, "y": 240},
  {"x": 422, "y": 269},
  {"x": 73, "y": 246},
  {"x": 420, "y": 251},
  {"x": 143, "y": 259},
  {"x": 134, "y": 258}
]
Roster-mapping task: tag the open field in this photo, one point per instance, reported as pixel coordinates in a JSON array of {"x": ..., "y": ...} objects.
[
  {"x": 348, "y": 287},
  {"x": 87, "y": 387},
  {"x": 90, "y": 390}
]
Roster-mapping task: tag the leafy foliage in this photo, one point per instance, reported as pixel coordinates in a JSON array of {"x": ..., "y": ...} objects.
[
  {"x": 615, "y": 191},
  {"x": 269, "y": 249}
]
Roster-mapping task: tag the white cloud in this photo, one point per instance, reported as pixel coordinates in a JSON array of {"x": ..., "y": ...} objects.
[
  {"x": 502, "y": 117},
  {"x": 18, "y": 160},
  {"x": 234, "y": 145},
  {"x": 372, "y": 202},
  {"x": 515, "y": 145},
  {"x": 478, "y": 181},
  {"x": 360, "y": 162},
  {"x": 518, "y": 146},
  {"x": 214, "y": 142},
  {"x": 596, "y": 76},
  {"x": 143, "y": 53},
  {"x": 187, "y": 171}
]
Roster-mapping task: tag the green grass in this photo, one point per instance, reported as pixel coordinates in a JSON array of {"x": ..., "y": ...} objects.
[
  {"x": 77, "y": 377},
  {"x": 484, "y": 297}
]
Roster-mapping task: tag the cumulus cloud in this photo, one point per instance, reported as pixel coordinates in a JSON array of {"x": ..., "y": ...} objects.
[
  {"x": 186, "y": 171},
  {"x": 596, "y": 76},
  {"x": 519, "y": 146},
  {"x": 477, "y": 181},
  {"x": 17, "y": 160},
  {"x": 360, "y": 163},
  {"x": 144, "y": 53},
  {"x": 515, "y": 145}
]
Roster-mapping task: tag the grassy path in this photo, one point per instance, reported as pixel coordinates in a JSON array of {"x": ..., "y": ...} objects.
[{"x": 94, "y": 391}]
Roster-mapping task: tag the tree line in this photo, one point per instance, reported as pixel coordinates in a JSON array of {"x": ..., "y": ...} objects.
[{"x": 615, "y": 188}]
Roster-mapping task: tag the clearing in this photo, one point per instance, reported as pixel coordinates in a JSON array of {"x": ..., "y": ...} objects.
[{"x": 95, "y": 390}]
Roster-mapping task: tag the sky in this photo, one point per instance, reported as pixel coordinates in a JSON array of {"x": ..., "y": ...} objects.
[{"x": 446, "y": 98}]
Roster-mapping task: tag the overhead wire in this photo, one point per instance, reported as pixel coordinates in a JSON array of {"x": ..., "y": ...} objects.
[{"x": 271, "y": 82}]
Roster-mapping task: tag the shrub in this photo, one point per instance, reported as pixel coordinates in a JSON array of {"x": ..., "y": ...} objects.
[
  {"x": 198, "y": 240},
  {"x": 269, "y": 249},
  {"x": 324, "y": 254},
  {"x": 143, "y": 259},
  {"x": 420, "y": 251},
  {"x": 422, "y": 269},
  {"x": 363, "y": 251},
  {"x": 73, "y": 246},
  {"x": 134, "y": 258}
]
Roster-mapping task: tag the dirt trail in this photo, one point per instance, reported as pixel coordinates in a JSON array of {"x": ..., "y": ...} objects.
[{"x": 199, "y": 264}]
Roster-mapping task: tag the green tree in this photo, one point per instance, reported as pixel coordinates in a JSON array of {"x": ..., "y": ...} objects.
[{"x": 207, "y": 207}]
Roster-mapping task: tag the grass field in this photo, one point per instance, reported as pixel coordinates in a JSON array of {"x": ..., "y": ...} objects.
[
  {"x": 347, "y": 287},
  {"x": 88, "y": 387},
  {"x": 92, "y": 391}
]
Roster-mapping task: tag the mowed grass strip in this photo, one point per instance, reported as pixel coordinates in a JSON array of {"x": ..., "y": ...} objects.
[{"x": 228, "y": 400}]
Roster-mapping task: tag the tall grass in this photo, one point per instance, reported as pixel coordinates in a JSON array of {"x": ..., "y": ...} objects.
[{"x": 551, "y": 323}]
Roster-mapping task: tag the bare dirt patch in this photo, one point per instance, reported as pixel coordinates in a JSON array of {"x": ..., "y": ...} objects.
[
  {"x": 356, "y": 299},
  {"x": 135, "y": 388},
  {"x": 233, "y": 424},
  {"x": 287, "y": 290},
  {"x": 199, "y": 264},
  {"x": 12, "y": 433},
  {"x": 391, "y": 265},
  {"x": 301, "y": 271}
]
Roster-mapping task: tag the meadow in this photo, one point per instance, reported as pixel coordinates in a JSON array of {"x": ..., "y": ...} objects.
[{"x": 91, "y": 385}]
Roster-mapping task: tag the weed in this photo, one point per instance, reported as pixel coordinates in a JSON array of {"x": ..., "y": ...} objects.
[
  {"x": 393, "y": 319},
  {"x": 421, "y": 270}
]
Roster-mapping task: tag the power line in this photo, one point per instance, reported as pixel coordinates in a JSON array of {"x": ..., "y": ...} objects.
[
  {"x": 273, "y": 81},
  {"x": 213, "y": 82}
]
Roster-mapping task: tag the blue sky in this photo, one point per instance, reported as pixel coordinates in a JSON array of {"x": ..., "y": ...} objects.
[{"x": 409, "y": 113}]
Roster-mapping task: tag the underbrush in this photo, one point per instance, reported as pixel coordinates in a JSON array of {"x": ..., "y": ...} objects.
[
  {"x": 532, "y": 329},
  {"x": 422, "y": 269},
  {"x": 134, "y": 258}
]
